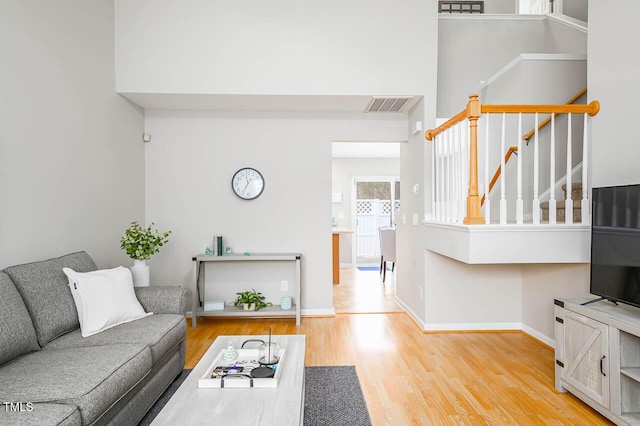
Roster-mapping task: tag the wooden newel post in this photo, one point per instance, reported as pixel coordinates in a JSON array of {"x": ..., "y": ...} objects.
[{"x": 474, "y": 212}]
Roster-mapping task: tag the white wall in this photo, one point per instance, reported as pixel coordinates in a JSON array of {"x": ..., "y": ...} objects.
[
  {"x": 543, "y": 283},
  {"x": 474, "y": 48},
  {"x": 415, "y": 160},
  {"x": 499, "y": 6},
  {"x": 190, "y": 162},
  {"x": 343, "y": 172},
  {"x": 613, "y": 80},
  {"x": 277, "y": 47},
  {"x": 72, "y": 163},
  {"x": 471, "y": 297},
  {"x": 577, "y": 9}
]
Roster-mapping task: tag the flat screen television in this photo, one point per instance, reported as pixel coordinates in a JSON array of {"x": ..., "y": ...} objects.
[{"x": 615, "y": 244}]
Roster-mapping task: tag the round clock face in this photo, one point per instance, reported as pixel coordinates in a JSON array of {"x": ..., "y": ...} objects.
[{"x": 247, "y": 183}]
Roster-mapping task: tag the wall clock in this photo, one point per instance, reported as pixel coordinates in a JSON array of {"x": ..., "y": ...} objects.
[{"x": 247, "y": 183}]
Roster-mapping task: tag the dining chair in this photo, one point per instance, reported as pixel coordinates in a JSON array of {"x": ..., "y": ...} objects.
[{"x": 387, "y": 249}]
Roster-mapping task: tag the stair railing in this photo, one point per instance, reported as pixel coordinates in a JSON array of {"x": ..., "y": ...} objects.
[
  {"x": 455, "y": 196},
  {"x": 527, "y": 137}
]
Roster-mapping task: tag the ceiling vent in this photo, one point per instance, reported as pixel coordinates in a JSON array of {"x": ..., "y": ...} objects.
[{"x": 379, "y": 104}]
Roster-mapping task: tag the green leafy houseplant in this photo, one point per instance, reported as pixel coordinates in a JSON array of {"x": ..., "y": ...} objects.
[
  {"x": 142, "y": 243},
  {"x": 251, "y": 297}
]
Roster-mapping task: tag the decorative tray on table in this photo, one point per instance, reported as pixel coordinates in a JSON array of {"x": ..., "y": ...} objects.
[{"x": 237, "y": 374}]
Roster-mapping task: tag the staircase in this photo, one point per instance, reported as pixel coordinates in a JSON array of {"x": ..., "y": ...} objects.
[{"x": 576, "y": 196}]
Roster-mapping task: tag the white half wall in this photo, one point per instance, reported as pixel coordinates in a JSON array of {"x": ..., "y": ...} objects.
[
  {"x": 541, "y": 284},
  {"x": 460, "y": 296},
  {"x": 72, "y": 156}
]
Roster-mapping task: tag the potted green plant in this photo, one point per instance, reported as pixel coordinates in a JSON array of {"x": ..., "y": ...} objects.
[
  {"x": 140, "y": 244},
  {"x": 251, "y": 300}
]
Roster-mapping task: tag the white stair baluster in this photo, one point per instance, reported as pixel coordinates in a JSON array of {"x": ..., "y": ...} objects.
[
  {"x": 584, "y": 205},
  {"x": 519, "y": 202},
  {"x": 433, "y": 179},
  {"x": 487, "y": 203},
  {"x": 536, "y": 178},
  {"x": 465, "y": 167},
  {"x": 568, "y": 203},
  {"x": 442, "y": 176},
  {"x": 503, "y": 200},
  {"x": 461, "y": 167},
  {"x": 436, "y": 182},
  {"x": 447, "y": 154},
  {"x": 552, "y": 172},
  {"x": 455, "y": 173}
]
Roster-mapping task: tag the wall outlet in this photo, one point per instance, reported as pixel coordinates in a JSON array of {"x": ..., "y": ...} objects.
[
  {"x": 284, "y": 285},
  {"x": 420, "y": 288}
]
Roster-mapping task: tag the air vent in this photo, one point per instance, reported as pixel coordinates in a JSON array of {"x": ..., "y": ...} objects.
[{"x": 387, "y": 104}]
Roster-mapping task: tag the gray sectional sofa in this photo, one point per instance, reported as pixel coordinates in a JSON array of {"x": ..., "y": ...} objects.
[{"x": 51, "y": 375}]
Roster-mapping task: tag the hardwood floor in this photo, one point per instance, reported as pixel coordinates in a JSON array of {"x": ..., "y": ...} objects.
[
  {"x": 364, "y": 292},
  {"x": 412, "y": 378}
]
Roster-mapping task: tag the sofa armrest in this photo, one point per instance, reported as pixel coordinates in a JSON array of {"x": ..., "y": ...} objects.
[{"x": 163, "y": 300}]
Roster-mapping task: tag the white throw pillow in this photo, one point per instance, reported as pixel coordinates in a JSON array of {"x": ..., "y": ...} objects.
[{"x": 104, "y": 298}]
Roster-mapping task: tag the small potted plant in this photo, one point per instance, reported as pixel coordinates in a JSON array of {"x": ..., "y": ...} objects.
[
  {"x": 251, "y": 300},
  {"x": 140, "y": 244}
]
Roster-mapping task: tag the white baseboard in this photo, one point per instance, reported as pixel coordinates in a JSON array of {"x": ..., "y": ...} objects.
[
  {"x": 538, "y": 336},
  {"x": 318, "y": 312},
  {"x": 411, "y": 313},
  {"x": 474, "y": 326}
]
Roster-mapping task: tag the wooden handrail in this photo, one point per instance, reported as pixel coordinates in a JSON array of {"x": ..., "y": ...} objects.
[
  {"x": 548, "y": 119},
  {"x": 592, "y": 109},
  {"x": 432, "y": 133},
  {"x": 473, "y": 112},
  {"x": 496, "y": 175}
]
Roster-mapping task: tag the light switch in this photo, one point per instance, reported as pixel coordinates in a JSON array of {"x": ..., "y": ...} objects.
[{"x": 415, "y": 219}]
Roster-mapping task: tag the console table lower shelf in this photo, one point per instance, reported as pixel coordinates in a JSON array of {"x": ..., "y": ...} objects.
[
  {"x": 233, "y": 311},
  {"x": 239, "y": 259}
]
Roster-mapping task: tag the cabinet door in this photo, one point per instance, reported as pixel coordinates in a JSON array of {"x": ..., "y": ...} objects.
[{"x": 586, "y": 353}]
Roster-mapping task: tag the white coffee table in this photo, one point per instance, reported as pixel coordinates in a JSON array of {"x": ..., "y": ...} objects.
[{"x": 279, "y": 406}]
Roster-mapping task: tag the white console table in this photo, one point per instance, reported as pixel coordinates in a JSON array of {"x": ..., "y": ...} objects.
[
  {"x": 233, "y": 311},
  {"x": 598, "y": 356}
]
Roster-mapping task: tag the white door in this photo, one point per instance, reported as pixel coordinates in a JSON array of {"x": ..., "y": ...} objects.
[
  {"x": 586, "y": 352},
  {"x": 376, "y": 202}
]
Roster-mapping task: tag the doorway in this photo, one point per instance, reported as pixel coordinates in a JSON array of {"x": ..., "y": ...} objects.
[{"x": 376, "y": 203}]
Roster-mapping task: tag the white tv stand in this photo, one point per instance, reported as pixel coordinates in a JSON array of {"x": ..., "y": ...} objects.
[{"x": 597, "y": 356}]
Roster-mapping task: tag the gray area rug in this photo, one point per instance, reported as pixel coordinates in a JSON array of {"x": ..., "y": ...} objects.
[{"x": 332, "y": 397}]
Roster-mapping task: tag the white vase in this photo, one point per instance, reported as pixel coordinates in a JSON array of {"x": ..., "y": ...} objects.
[{"x": 140, "y": 273}]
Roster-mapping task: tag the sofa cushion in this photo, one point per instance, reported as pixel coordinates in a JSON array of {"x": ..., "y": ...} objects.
[
  {"x": 41, "y": 415},
  {"x": 45, "y": 291},
  {"x": 104, "y": 298},
  {"x": 91, "y": 378},
  {"x": 17, "y": 336},
  {"x": 161, "y": 332}
]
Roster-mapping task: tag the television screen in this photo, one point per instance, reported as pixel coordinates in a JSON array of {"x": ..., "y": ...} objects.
[{"x": 615, "y": 243}]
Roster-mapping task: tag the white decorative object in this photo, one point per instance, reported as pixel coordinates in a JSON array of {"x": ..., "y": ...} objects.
[
  {"x": 230, "y": 353},
  {"x": 214, "y": 305},
  {"x": 104, "y": 298},
  {"x": 140, "y": 273},
  {"x": 285, "y": 302}
]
